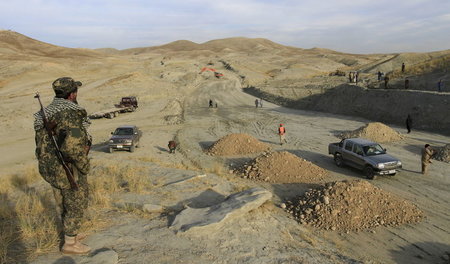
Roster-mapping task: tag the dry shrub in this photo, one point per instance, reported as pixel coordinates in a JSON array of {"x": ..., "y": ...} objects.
[
  {"x": 434, "y": 64},
  {"x": 20, "y": 180},
  {"x": 6, "y": 186},
  {"x": 7, "y": 227},
  {"x": 217, "y": 168},
  {"x": 36, "y": 222},
  {"x": 28, "y": 225}
]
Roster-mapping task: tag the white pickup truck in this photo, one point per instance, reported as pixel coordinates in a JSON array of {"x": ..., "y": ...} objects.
[{"x": 365, "y": 155}]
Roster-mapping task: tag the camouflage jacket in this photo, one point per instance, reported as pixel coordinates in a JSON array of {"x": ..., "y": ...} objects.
[{"x": 71, "y": 134}]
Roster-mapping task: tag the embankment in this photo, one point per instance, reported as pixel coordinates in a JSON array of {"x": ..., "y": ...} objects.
[{"x": 429, "y": 110}]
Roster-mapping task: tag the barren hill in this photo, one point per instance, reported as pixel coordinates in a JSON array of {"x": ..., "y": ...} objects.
[
  {"x": 13, "y": 43},
  {"x": 227, "y": 45}
]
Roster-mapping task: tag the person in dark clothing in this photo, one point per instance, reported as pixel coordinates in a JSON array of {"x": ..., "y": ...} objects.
[
  {"x": 172, "y": 146},
  {"x": 403, "y": 67},
  {"x": 409, "y": 123},
  {"x": 406, "y": 83},
  {"x": 210, "y": 103},
  {"x": 440, "y": 85},
  {"x": 379, "y": 76},
  {"x": 386, "y": 82}
]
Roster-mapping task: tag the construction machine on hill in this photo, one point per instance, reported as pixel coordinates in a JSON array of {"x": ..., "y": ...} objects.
[{"x": 216, "y": 73}]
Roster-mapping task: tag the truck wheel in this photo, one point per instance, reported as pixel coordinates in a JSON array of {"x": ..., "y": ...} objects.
[
  {"x": 132, "y": 148},
  {"x": 111, "y": 150},
  {"x": 109, "y": 115},
  {"x": 370, "y": 174},
  {"x": 338, "y": 160}
]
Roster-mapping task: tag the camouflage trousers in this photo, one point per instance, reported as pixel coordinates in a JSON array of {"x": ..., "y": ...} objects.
[{"x": 71, "y": 205}]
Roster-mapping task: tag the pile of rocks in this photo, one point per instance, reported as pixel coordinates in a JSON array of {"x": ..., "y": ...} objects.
[
  {"x": 442, "y": 153},
  {"x": 237, "y": 144},
  {"x": 352, "y": 206},
  {"x": 376, "y": 131},
  {"x": 282, "y": 167}
]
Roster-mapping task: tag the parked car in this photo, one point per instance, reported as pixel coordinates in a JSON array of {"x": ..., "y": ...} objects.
[
  {"x": 365, "y": 155},
  {"x": 125, "y": 137}
]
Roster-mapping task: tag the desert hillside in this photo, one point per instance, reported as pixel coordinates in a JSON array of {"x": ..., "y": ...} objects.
[{"x": 231, "y": 192}]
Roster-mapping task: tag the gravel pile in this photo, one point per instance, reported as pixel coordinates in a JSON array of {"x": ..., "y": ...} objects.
[
  {"x": 282, "y": 167},
  {"x": 352, "y": 206},
  {"x": 442, "y": 153},
  {"x": 237, "y": 144},
  {"x": 376, "y": 131}
]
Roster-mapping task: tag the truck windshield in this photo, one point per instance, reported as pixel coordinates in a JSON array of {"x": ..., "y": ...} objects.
[
  {"x": 373, "y": 150},
  {"x": 123, "y": 131}
]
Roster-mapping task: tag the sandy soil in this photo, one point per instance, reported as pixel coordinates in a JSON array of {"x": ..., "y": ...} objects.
[{"x": 266, "y": 235}]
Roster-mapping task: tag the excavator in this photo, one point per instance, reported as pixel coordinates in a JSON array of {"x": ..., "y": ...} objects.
[{"x": 216, "y": 73}]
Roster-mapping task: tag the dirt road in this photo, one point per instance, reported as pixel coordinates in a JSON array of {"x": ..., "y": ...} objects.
[
  {"x": 270, "y": 234},
  {"x": 308, "y": 135}
]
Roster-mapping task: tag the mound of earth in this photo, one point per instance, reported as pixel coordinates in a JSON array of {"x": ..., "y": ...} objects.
[
  {"x": 174, "y": 112},
  {"x": 282, "y": 167},
  {"x": 443, "y": 153},
  {"x": 237, "y": 144},
  {"x": 352, "y": 205},
  {"x": 376, "y": 131}
]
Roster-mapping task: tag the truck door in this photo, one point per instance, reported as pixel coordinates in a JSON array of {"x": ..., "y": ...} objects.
[
  {"x": 358, "y": 156},
  {"x": 347, "y": 152}
]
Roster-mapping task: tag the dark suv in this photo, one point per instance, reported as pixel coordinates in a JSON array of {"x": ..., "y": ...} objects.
[{"x": 125, "y": 137}]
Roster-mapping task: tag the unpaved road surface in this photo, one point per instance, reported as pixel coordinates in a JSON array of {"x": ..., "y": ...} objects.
[
  {"x": 308, "y": 135},
  {"x": 269, "y": 234}
]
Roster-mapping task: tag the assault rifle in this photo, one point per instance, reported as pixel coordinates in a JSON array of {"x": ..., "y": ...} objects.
[{"x": 51, "y": 135}]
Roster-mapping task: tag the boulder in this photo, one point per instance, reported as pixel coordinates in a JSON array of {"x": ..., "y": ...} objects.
[{"x": 213, "y": 217}]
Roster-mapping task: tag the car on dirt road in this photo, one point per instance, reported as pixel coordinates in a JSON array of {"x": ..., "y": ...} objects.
[
  {"x": 365, "y": 155},
  {"x": 125, "y": 137}
]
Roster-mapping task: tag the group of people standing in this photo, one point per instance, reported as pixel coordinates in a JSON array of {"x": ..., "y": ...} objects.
[{"x": 353, "y": 77}]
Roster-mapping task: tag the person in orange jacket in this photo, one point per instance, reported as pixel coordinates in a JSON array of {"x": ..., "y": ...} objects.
[{"x": 282, "y": 133}]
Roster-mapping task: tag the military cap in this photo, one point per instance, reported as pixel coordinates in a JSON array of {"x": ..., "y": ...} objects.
[{"x": 65, "y": 85}]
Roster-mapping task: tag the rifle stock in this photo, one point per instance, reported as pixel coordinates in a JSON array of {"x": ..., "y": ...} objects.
[{"x": 51, "y": 135}]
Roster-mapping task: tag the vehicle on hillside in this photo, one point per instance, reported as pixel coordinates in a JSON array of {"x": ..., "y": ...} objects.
[
  {"x": 125, "y": 137},
  {"x": 364, "y": 155},
  {"x": 126, "y": 104}
]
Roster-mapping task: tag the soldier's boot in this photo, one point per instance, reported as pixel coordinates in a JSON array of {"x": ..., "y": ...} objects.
[
  {"x": 73, "y": 246},
  {"x": 81, "y": 236}
]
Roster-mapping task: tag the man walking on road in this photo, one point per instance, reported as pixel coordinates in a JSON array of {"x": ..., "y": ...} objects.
[
  {"x": 282, "y": 133},
  {"x": 408, "y": 123},
  {"x": 68, "y": 122},
  {"x": 427, "y": 153}
]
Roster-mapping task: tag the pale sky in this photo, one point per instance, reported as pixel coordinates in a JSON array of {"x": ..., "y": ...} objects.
[{"x": 358, "y": 26}]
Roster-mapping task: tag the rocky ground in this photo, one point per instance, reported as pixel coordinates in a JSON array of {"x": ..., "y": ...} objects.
[
  {"x": 282, "y": 167},
  {"x": 352, "y": 206},
  {"x": 237, "y": 144}
]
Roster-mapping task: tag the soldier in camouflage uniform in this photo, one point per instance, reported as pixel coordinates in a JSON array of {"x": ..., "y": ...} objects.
[{"x": 70, "y": 123}]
